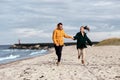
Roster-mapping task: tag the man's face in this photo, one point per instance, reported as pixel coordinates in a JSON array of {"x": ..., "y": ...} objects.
[{"x": 60, "y": 27}]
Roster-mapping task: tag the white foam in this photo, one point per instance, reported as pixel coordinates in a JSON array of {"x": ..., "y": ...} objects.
[
  {"x": 14, "y": 50},
  {"x": 10, "y": 50},
  {"x": 6, "y": 50},
  {"x": 9, "y": 57},
  {"x": 38, "y": 52}
]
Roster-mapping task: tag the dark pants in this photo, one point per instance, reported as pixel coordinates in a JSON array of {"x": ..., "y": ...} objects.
[{"x": 58, "y": 50}]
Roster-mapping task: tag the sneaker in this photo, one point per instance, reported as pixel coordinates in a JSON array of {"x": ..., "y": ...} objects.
[
  {"x": 79, "y": 57},
  {"x": 82, "y": 61},
  {"x": 58, "y": 63}
]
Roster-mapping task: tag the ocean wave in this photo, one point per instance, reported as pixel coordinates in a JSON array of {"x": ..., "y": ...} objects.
[
  {"x": 15, "y": 50},
  {"x": 38, "y": 52},
  {"x": 9, "y": 57},
  {"x": 6, "y": 50}
]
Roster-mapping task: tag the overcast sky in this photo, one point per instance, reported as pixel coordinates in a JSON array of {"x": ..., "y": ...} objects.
[{"x": 33, "y": 21}]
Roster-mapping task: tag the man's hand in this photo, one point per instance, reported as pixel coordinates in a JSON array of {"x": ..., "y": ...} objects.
[{"x": 57, "y": 44}]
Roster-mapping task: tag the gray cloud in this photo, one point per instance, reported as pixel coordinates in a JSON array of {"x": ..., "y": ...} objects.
[{"x": 101, "y": 16}]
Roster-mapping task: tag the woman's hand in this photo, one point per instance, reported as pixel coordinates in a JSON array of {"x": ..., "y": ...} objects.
[{"x": 72, "y": 38}]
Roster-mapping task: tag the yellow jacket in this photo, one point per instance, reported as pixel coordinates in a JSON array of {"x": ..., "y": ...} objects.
[{"x": 58, "y": 36}]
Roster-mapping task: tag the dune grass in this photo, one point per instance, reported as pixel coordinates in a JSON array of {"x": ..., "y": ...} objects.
[{"x": 110, "y": 41}]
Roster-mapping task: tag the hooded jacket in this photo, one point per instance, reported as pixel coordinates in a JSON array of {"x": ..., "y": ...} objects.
[{"x": 58, "y": 36}]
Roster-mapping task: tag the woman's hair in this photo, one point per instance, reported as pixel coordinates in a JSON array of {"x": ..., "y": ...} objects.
[
  {"x": 59, "y": 24},
  {"x": 87, "y": 28}
]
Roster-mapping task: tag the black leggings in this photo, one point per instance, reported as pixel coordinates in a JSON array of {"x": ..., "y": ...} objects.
[{"x": 58, "y": 50}]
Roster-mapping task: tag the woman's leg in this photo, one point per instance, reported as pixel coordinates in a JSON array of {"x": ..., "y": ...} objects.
[
  {"x": 79, "y": 53},
  {"x": 82, "y": 53}
]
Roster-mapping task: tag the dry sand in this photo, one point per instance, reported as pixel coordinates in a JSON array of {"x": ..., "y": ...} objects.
[{"x": 101, "y": 63}]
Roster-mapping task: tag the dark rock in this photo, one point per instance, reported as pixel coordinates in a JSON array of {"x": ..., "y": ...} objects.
[
  {"x": 41, "y": 76},
  {"x": 117, "y": 76},
  {"x": 25, "y": 79}
]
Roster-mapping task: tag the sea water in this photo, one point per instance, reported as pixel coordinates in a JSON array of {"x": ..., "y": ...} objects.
[{"x": 9, "y": 55}]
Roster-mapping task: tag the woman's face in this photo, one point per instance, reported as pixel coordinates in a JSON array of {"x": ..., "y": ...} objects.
[
  {"x": 60, "y": 27},
  {"x": 82, "y": 29}
]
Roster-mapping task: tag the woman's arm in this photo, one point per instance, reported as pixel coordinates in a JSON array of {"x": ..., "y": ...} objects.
[
  {"x": 75, "y": 37},
  {"x": 89, "y": 41}
]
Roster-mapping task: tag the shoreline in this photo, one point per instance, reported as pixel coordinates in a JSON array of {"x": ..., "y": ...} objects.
[
  {"x": 101, "y": 63},
  {"x": 3, "y": 65}
]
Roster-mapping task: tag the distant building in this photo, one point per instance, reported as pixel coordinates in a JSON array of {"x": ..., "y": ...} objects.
[{"x": 19, "y": 42}]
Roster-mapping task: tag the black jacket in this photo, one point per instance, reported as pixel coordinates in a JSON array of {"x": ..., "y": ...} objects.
[{"x": 82, "y": 40}]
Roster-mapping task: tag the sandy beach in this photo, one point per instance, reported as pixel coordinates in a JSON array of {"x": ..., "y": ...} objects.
[{"x": 101, "y": 63}]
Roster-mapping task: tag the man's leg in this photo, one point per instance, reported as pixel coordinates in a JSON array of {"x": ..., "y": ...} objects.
[{"x": 59, "y": 53}]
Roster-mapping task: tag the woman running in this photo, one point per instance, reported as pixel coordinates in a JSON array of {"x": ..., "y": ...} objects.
[{"x": 82, "y": 38}]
